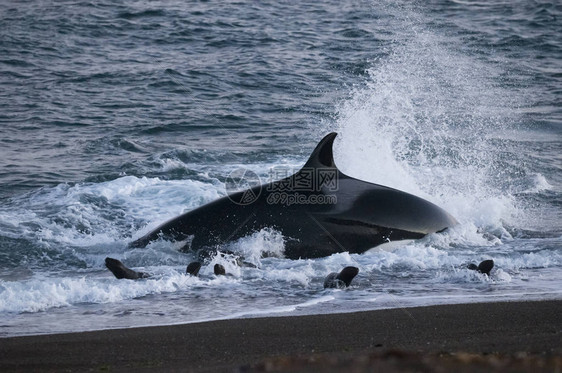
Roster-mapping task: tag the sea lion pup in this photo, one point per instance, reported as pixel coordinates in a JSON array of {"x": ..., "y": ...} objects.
[
  {"x": 120, "y": 271},
  {"x": 484, "y": 267},
  {"x": 193, "y": 268},
  {"x": 341, "y": 280},
  {"x": 219, "y": 270}
]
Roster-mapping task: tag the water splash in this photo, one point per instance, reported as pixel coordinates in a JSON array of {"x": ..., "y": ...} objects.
[{"x": 432, "y": 119}]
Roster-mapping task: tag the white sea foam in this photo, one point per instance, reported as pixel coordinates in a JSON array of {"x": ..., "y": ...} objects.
[
  {"x": 424, "y": 122},
  {"x": 539, "y": 183},
  {"x": 265, "y": 243},
  {"x": 42, "y": 293}
]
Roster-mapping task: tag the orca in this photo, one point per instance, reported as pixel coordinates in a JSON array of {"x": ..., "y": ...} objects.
[
  {"x": 484, "y": 267},
  {"x": 319, "y": 211},
  {"x": 340, "y": 280}
]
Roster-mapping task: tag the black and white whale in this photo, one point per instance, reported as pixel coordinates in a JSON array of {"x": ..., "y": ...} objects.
[{"x": 319, "y": 210}]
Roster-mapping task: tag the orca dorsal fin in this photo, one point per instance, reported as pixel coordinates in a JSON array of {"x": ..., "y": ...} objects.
[{"x": 323, "y": 156}]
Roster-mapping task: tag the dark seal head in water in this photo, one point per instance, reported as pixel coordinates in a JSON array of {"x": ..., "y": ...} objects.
[
  {"x": 484, "y": 267},
  {"x": 193, "y": 268},
  {"x": 219, "y": 270},
  {"x": 319, "y": 210},
  {"x": 341, "y": 280}
]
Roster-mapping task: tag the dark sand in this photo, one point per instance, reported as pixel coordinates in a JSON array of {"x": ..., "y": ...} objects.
[{"x": 507, "y": 336}]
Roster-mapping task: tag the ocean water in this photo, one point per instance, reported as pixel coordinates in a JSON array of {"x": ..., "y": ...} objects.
[{"x": 118, "y": 115}]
